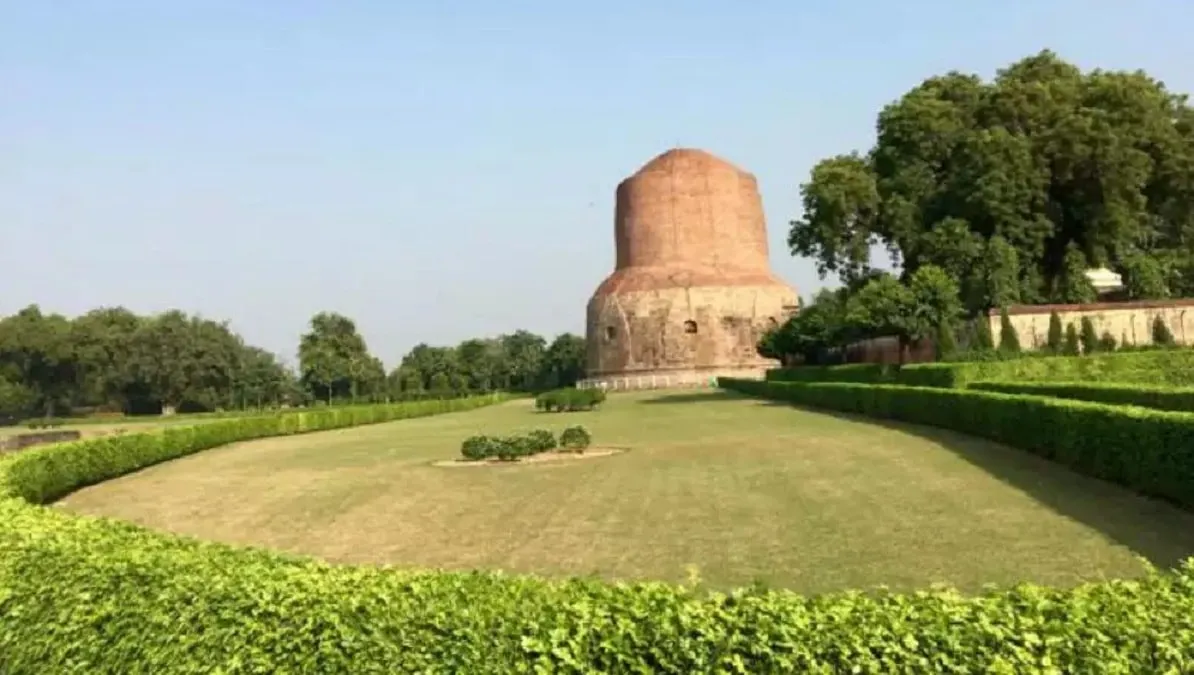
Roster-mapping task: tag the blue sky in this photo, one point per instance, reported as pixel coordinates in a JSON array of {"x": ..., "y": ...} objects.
[{"x": 445, "y": 170}]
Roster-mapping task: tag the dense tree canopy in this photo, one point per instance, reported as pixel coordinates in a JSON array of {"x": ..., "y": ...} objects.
[
  {"x": 518, "y": 361},
  {"x": 1015, "y": 187},
  {"x": 112, "y": 359}
]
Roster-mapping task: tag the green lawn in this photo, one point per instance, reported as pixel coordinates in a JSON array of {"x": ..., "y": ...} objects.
[{"x": 743, "y": 490}]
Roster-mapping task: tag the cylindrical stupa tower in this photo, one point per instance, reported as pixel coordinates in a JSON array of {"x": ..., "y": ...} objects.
[{"x": 692, "y": 290}]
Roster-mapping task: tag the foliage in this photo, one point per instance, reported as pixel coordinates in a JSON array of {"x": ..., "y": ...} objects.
[
  {"x": 1172, "y": 367},
  {"x": 1107, "y": 342},
  {"x": 1016, "y": 186},
  {"x": 1143, "y": 395},
  {"x": 576, "y": 439},
  {"x": 875, "y": 306},
  {"x": 110, "y": 359},
  {"x": 1056, "y": 335},
  {"x": 944, "y": 342},
  {"x": 985, "y": 342},
  {"x": 148, "y": 602},
  {"x": 508, "y": 448},
  {"x": 1090, "y": 337},
  {"x": 1160, "y": 332},
  {"x": 1072, "y": 345},
  {"x": 520, "y": 361},
  {"x": 570, "y": 399},
  {"x": 1142, "y": 449},
  {"x": 335, "y": 362},
  {"x": 1009, "y": 340}
]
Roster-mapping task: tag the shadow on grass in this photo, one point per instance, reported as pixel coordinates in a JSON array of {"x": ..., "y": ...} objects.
[
  {"x": 1159, "y": 531},
  {"x": 700, "y": 396}
]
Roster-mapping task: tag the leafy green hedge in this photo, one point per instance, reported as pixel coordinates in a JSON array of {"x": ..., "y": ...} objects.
[
  {"x": 90, "y": 595},
  {"x": 569, "y": 399},
  {"x": 1150, "y": 451},
  {"x": 1161, "y": 398},
  {"x": 508, "y": 448},
  {"x": 1158, "y": 367}
]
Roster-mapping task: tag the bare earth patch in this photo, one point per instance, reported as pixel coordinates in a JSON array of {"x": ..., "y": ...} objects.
[{"x": 554, "y": 456}]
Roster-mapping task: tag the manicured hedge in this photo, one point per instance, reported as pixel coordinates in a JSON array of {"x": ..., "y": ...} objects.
[
  {"x": 1174, "y": 367},
  {"x": 1150, "y": 451},
  {"x": 569, "y": 399},
  {"x": 1161, "y": 398},
  {"x": 90, "y": 595}
]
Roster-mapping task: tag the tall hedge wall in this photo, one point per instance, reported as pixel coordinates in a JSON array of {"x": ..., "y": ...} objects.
[
  {"x": 1174, "y": 367},
  {"x": 89, "y": 595},
  {"x": 1161, "y": 398}
]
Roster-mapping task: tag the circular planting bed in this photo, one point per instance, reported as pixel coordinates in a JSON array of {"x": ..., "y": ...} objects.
[{"x": 550, "y": 456}]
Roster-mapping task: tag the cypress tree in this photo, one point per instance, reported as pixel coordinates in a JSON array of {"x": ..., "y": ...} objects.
[
  {"x": 1072, "y": 344},
  {"x": 1054, "y": 343},
  {"x": 1089, "y": 336},
  {"x": 947, "y": 345},
  {"x": 985, "y": 342},
  {"x": 1009, "y": 341},
  {"x": 1161, "y": 334}
]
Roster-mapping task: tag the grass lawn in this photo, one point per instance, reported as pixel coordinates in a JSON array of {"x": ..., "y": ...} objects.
[{"x": 744, "y": 490}]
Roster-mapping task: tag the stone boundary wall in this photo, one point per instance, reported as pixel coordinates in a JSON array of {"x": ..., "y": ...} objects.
[
  {"x": 1130, "y": 323},
  {"x": 679, "y": 379}
]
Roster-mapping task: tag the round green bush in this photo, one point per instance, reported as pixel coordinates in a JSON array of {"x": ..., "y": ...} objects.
[
  {"x": 576, "y": 438},
  {"x": 542, "y": 440}
]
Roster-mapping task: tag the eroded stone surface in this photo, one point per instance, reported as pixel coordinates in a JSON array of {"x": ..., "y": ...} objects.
[{"x": 692, "y": 291}]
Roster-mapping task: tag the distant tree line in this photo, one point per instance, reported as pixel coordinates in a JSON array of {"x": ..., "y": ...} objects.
[{"x": 116, "y": 361}]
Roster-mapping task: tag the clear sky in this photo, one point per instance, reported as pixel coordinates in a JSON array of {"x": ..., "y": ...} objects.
[{"x": 443, "y": 170}]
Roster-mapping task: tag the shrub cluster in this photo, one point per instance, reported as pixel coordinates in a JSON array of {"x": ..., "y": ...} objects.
[
  {"x": 1145, "y": 450},
  {"x": 569, "y": 399},
  {"x": 100, "y": 596},
  {"x": 1161, "y": 398},
  {"x": 576, "y": 439},
  {"x": 508, "y": 448}
]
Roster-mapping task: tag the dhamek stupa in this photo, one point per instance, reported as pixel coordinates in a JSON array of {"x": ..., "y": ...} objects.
[{"x": 692, "y": 290}]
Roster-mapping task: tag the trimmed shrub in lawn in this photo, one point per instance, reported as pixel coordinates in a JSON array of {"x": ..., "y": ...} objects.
[
  {"x": 1161, "y": 398},
  {"x": 508, "y": 448},
  {"x": 1150, "y": 451},
  {"x": 92, "y": 595},
  {"x": 569, "y": 400},
  {"x": 576, "y": 439}
]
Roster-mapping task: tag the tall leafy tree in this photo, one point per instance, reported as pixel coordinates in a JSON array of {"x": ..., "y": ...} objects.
[
  {"x": 36, "y": 351},
  {"x": 1045, "y": 160},
  {"x": 333, "y": 358}
]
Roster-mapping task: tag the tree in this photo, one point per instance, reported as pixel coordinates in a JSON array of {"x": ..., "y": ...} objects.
[
  {"x": 1144, "y": 277},
  {"x": 1107, "y": 342},
  {"x": 1089, "y": 336},
  {"x": 812, "y": 334},
  {"x": 185, "y": 363},
  {"x": 1073, "y": 286},
  {"x": 1072, "y": 345},
  {"x": 1054, "y": 342},
  {"x": 36, "y": 351},
  {"x": 1161, "y": 333},
  {"x": 1053, "y": 162},
  {"x": 985, "y": 342},
  {"x": 333, "y": 357},
  {"x": 946, "y": 345},
  {"x": 884, "y": 306},
  {"x": 1009, "y": 341},
  {"x": 564, "y": 362}
]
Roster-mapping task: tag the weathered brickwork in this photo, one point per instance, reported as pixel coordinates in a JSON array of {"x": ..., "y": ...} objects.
[{"x": 692, "y": 291}]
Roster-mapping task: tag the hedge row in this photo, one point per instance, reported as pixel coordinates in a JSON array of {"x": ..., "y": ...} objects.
[
  {"x": 89, "y": 595},
  {"x": 1159, "y": 367},
  {"x": 1150, "y": 451},
  {"x": 569, "y": 399},
  {"x": 510, "y": 448},
  {"x": 1161, "y": 398}
]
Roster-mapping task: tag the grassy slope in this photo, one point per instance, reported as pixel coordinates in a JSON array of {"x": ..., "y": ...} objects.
[{"x": 745, "y": 490}]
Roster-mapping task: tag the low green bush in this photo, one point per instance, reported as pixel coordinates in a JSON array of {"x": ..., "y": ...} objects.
[
  {"x": 508, "y": 448},
  {"x": 1161, "y": 398},
  {"x": 93, "y": 595},
  {"x": 1149, "y": 451},
  {"x": 569, "y": 399},
  {"x": 576, "y": 439}
]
